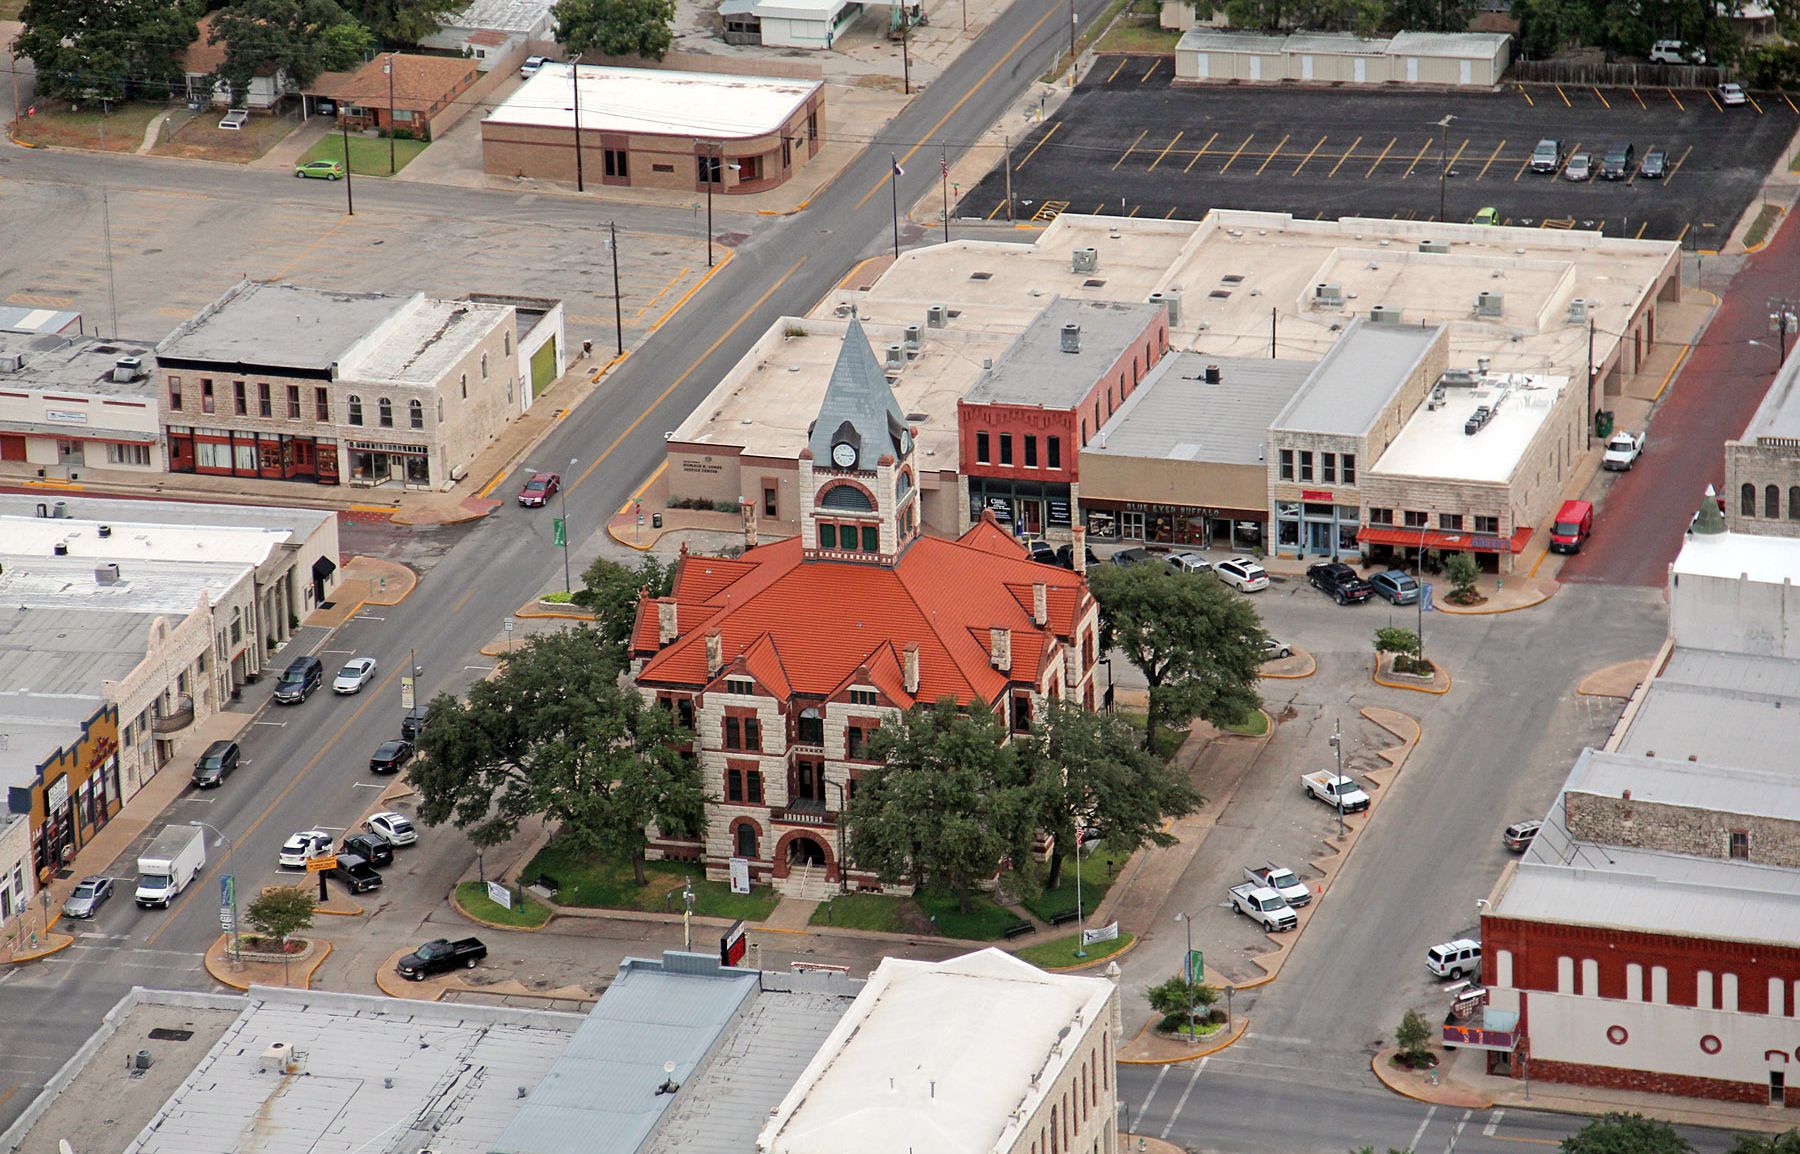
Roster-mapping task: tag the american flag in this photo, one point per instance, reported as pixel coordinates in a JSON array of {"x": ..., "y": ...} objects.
[{"x": 944, "y": 167}]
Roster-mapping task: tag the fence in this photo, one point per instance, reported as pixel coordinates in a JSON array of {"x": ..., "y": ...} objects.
[{"x": 1617, "y": 74}]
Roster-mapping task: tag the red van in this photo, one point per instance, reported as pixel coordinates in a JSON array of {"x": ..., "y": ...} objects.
[{"x": 1573, "y": 524}]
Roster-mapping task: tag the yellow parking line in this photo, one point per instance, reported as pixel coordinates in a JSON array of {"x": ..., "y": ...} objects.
[
  {"x": 1639, "y": 235},
  {"x": 998, "y": 205},
  {"x": 1382, "y": 157},
  {"x": 1790, "y": 102},
  {"x": 1154, "y": 65},
  {"x": 1640, "y": 100},
  {"x": 1676, "y": 167},
  {"x": 1309, "y": 156},
  {"x": 1527, "y": 96},
  {"x": 1523, "y": 165},
  {"x": 1682, "y": 235},
  {"x": 1753, "y": 103},
  {"x": 1134, "y": 210},
  {"x": 1340, "y": 161},
  {"x": 1715, "y": 102},
  {"x": 1170, "y": 213},
  {"x": 1601, "y": 98},
  {"x": 1679, "y": 106},
  {"x": 1456, "y": 156},
  {"x": 1201, "y": 151},
  {"x": 1276, "y": 151},
  {"x": 1238, "y": 153},
  {"x": 1134, "y": 144},
  {"x": 1423, "y": 149},
  {"x": 1163, "y": 153},
  {"x": 1040, "y": 144},
  {"x": 1099, "y": 208},
  {"x": 1564, "y": 95},
  {"x": 1119, "y": 69},
  {"x": 1491, "y": 160}
]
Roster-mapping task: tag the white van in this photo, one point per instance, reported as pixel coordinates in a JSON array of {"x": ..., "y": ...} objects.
[{"x": 1454, "y": 959}]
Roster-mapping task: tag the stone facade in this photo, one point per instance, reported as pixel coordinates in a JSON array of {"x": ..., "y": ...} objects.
[
  {"x": 1762, "y": 487},
  {"x": 1628, "y": 821}
]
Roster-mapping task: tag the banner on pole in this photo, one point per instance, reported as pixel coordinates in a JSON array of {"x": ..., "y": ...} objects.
[{"x": 1104, "y": 933}]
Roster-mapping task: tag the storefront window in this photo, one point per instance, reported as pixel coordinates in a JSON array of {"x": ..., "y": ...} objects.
[{"x": 418, "y": 470}]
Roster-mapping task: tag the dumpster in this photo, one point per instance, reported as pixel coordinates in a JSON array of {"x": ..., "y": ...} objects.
[{"x": 1603, "y": 423}]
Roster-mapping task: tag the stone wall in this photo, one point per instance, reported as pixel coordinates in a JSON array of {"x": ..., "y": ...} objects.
[{"x": 1627, "y": 821}]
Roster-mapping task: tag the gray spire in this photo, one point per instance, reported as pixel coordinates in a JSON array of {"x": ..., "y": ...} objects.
[
  {"x": 859, "y": 407},
  {"x": 1710, "y": 521}
]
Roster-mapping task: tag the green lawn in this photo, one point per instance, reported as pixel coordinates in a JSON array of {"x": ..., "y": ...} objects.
[
  {"x": 118, "y": 128},
  {"x": 588, "y": 880},
  {"x": 1759, "y": 228},
  {"x": 894, "y": 915},
  {"x": 1254, "y": 725},
  {"x": 1168, "y": 741},
  {"x": 1096, "y": 879},
  {"x": 984, "y": 921},
  {"x": 1058, "y": 953},
  {"x": 473, "y": 896},
  {"x": 1133, "y": 33},
  {"x": 368, "y": 155}
]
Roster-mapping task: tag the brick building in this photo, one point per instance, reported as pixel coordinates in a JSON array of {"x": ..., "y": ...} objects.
[
  {"x": 70, "y": 401},
  {"x": 400, "y": 90},
  {"x": 785, "y": 660}
]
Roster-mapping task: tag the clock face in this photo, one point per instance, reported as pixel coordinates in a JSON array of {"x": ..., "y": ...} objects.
[{"x": 843, "y": 454}]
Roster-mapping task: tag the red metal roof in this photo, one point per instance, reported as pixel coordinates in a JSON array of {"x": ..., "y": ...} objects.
[{"x": 1433, "y": 539}]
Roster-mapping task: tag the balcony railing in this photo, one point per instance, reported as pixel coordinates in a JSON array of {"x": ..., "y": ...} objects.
[
  {"x": 173, "y": 718},
  {"x": 806, "y": 813}
]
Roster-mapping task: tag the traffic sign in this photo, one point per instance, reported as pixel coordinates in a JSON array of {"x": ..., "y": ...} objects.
[
  {"x": 226, "y": 921},
  {"x": 318, "y": 865}
]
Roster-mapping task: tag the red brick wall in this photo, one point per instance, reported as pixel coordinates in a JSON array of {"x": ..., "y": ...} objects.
[{"x": 1648, "y": 1082}]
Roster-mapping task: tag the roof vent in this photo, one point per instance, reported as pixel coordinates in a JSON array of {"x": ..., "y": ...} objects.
[
  {"x": 106, "y": 574},
  {"x": 1490, "y": 304},
  {"x": 127, "y": 369},
  {"x": 1085, "y": 260},
  {"x": 1071, "y": 338},
  {"x": 1441, "y": 246},
  {"x": 936, "y": 316},
  {"x": 1578, "y": 311},
  {"x": 1212, "y": 374},
  {"x": 1385, "y": 315},
  {"x": 1170, "y": 300},
  {"x": 1330, "y": 296},
  {"x": 105, "y": 531},
  {"x": 61, "y": 549}
]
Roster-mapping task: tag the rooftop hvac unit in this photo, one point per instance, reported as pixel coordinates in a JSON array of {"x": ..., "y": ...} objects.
[
  {"x": 1329, "y": 296},
  {"x": 11, "y": 362},
  {"x": 1456, "y": 378},
  {"x": 106, "y": 574},
  {"x": 1071, "y": 338},
  {"x": 913, "y": 332},
  {"x": 127, "y": 369},
  {"x": 1171, "y": 301},
  {"x": 1442, "y": 246},
  {"x": 1490, "y": 304},
  {"x": 896, "y": 356},
  {"x": 1385, "y": 315},
  {"x": 1212, "y": 374},
  {"x": 1085, "y": 260},
  {"x": 1578, "y": 311},
  {"x": 936, "y": 316},
  {"x": 60, "y": 509}
]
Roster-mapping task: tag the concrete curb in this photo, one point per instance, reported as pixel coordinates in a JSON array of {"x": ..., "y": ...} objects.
[
  {"x": 456, "y": 904},
  {"x": 56, "y": 947},
  {"x": 1378, "y": 1065},
  {"x": 1450, "y": 683},
  {"x": 1240, "y": 1027},
  {"x": 1444, "y": 607},
  {"x": 1136, "y": 940},
  {"x": 1312, "y": 668},
  {"x": 215, "y": 954}
]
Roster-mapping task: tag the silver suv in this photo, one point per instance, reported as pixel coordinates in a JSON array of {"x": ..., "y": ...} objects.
[{"x": 1547, "y": 156}]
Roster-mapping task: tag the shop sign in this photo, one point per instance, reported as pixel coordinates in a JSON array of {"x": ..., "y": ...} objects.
[
  {"x": 57, "y": 796},
  {"x": 1059, "y": 511},
  {"x": 1493, "y": 544},
  {"x": 104, "y": 748},
  {"x": 1315, "y": 494},
  {"x": 65, "y": 417},
  {"x": 388, "y": 447},
  {"x": 705, "y": 465}
]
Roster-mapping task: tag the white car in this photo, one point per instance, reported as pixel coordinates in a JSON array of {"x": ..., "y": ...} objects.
[
  {"x": 1730, "y": 93},
  {"x": 396, "y": 827},
  {"x": 1273, "y": 649},
  {"x": 530, "y": 68},
  {"x": 308, "y": 843},
  {"x": 235, "y": 118},
  {"x": 1188, "y": 563},
  {"x": 1242, "y": 574},
  {"x": 356, "y": 673}
]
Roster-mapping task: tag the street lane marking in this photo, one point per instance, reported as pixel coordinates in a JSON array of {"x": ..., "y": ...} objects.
[
  {"x": 1119, "y": 69},
  {"x": 1790, "y": 102},
  {"x": 1276, "y": 151},
  {"x": 1423, "y": 149},
  {"x": 1456, "y": 156},
  {"x": 1457, "y": 1133},
  {"x": 1181, "y": 1102},
  {"x": 1238, "y": 153},
  {"x": 1564, "y": 95},
  {"x": 1134, "y": 210},
  {"x": 1640, "y": 232},
  {"x": 998, "y": 205},
  {"x": 1679, "y": 106},
  {"x": 1163, "y": 153},
  {"x": 1343, "y": 158},
  {"x": 1601, "y": 98},
  {"x": 1493, "y": 1123},
  {"x": 1533, "y": 1141},
  {"x": 1128, "y": 151},
  {"x": 1201, "y": 152},
  {"x": 1491, "y": 160},
  {"x": 1041, "y": 141},
  {"x": 1715, "y": 102},
  {"x": 1154, "y": 1087},
  {"x": 1309, "y": 156},
  {"x": 1049, "y": 211},
  {"x": 1170, "y": 213},
  {"x": 461, "y": 601},
  {"x": 1382, "y": 157},
  {"x": 1420, "y": 1132},
  {"x": 1684, "y": 231}
]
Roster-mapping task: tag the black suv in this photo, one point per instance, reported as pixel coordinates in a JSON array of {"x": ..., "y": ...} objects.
[
  {"x": 1341, "y": 581},
  {"x": 371, "y": 847}
]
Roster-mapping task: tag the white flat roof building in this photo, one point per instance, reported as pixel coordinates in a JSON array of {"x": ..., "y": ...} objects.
[
  {"x": 1435, "y": 441},
  {"x": 649, "y": 100}
]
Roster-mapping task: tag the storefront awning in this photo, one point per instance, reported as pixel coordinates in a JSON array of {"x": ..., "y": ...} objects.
[
  {"x": 1433, "y": 539},
  {"x": 323, "y": 568}
]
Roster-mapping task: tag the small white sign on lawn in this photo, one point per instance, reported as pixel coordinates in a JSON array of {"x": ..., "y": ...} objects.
[
  {"x": 740, "y": 875},
  {"x": 499, "y": 895}
]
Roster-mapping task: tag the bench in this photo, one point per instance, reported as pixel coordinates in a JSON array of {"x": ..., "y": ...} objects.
[
  {"x": 1063, "y": 917},
  {"x": 1018, "y": 929},
  {"x": 548, "y": 882}
]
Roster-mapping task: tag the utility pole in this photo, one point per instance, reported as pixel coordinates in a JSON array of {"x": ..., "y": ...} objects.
[
  {"x": 575, "y": 77},
  {"x": 1443, "y": 160},
  {"x": 349, "y": 197},
  {"x": 1782, "y": 321},
  {"x": 1337, "y": 746},
  {"x": 1590, "y": 380},
  {"x": 618, "y": 308},
  {"x": 894, "y": 175},
  {"x": 715, "y": 167},
  {"x": 389, "y": 69},
  {"x": 905, "y": 48},
  {"x": 1274, "y": 321},
  {"x": 944, "y": 172},
  {"x": 1074, "y": 25}
]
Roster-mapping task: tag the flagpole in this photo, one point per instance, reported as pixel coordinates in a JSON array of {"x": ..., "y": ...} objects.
[
  {"x": 894, "y": 188},
  {"x": 944, "y": 169}
]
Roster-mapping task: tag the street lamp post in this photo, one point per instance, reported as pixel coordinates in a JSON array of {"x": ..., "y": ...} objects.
[
  {"x": 1337, "y": 746},
  {"x": 1187, "y": 971},
  {"x": 612, "y": 244},
  {"x": 388, "y": 67},
  {"x": 349, "y": 197},
  {"x": 843, "y": 804},
  {"x": 562, "y": 498},
  {"x": 575, "y": 78},
  {"x": 1443, "y": 161},
  {"x": 1420, "y": 602},
  {"x": 687, "y": 915},
  {"x": 1782, "y": 321}
]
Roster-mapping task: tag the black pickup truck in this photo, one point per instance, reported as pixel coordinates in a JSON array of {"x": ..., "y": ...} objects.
[{"x": 440, "y": 954}]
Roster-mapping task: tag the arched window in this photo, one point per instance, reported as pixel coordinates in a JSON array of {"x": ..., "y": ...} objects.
[
  {"x": 484, "y": 366},
  {"x": 1771, "y": 501},
  {"x": 385, "y": 409},
  {"x": 415, "y": 414},
  {"x": 355, "y": 407},
  {"x": 746, "y": 840},
  {"x": 1746, "y": 494},
  {"x": 902, "y": 486},
  {"x": 506, "y": 343},
  {"x": 1794, "y": 502},
  {"x": 847, "y": 497},
  {"x": 465, "y": 386}
]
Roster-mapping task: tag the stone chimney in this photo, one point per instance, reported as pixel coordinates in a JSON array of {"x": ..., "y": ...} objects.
[
  {"x": 667, "y": 629},
  {"x": 1000, "y": 648},
  {"x": 748, "y": 509},
  {"x": 1040, "y": 604},
  {"x": 715, "y": 653},
  {"x": 1078, "y": 551},
  {"x": 909, "y": 668}
]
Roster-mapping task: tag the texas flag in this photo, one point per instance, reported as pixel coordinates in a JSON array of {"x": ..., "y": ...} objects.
[{"x": 898, "y": 171}]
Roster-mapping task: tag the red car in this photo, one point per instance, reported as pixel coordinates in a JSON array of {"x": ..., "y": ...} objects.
[{"x": 539, "y": 489}]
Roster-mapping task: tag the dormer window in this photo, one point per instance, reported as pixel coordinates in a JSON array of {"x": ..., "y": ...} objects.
[
  {"x": 862, "y": 697},
  {"x": 740, "y": 685}
]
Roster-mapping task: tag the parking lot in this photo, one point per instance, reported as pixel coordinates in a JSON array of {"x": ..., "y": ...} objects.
[{"x": 1128, "y": 142}]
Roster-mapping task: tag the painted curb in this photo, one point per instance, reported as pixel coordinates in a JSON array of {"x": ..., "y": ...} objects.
[
  {"x": 1376, "y": 1064},
  {"x": 1136, "y": 940},
  {"x": 1232, "y": 1039},
  {"x": 1377, "y": 679},
  {"x": 456, "y": 903},
  {"x": 21, "y": 959},
  {"x": 1442, "y": 607},
  {"x": 317, "y": 960},
  {"x": 1314, "y": 668}
]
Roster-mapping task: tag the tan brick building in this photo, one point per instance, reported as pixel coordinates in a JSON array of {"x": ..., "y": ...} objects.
[{"x": 1762, "y": 468}]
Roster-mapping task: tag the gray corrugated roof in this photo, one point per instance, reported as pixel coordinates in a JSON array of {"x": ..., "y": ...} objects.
[
  {"x": 1347, "y": 390},
  {"x": 1342, "y": 43},
  {"x": 859, "y": 397},
  {"x": 1690, "y": 785},
  {"x": 1036, "y": 371},
  {"x": 1721, "y": 708},
  {"x": 1211, "y": 40},
  {"x": 1175, "y": 415},
  {"x": 121, "y": 513},
  {"x": 1469, "y": 45},
  {"x": 1778, "y": 417}
]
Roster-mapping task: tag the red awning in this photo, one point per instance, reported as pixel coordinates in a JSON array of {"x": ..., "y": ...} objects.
[{"x": 1410, "y": 538}]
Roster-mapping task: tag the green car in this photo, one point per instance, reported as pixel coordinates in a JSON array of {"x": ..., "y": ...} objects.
[
  {"x": 320, "y": 169},
  {"x": 1486, "y": 215}
]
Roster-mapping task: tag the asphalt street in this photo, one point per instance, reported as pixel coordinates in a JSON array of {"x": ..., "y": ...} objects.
[{"x": 1128, "y": 142}]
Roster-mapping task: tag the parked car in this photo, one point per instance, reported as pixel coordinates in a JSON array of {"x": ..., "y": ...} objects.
[
  {"x": 1622, "y": 451},
  {"x": 413, "y": 721},
  {"x": 1043, "y": 552},
  {"x": 1188, "y": 563},
  {"x": 1336, "y": 792},
  {"x": 1280, "y": 879},
  {"x": 1263, "y": 906},
  {"x": 1547, "y": 157},
  {"x": 308, "y": 843},
  {"x": 1340, "y": 582},
  {"x": 1616, "y": 164},
  {"x": 321, "y": 169},
  {"x": 530, "y": 68},
  {"x": 1454, "y": 959},
  {"x": 438, "y": 955},
  {"x": 1676, "y": 52},
  {"x": 1272, "y": 649},
  {"x": 1242, "y": 574},
  {"x": 539, "y": 488},
  {"x": 298, "y": 680},
  {"x": 1656, "y": 163},
  {"x": 356, "y": 673},
  {"x": 234, "y": 119},
  {"x": 396, "y": 827},
  {"x": 88, "y": 896},
  {"x": 1397, "y": 586},
  {"x": 1486, "y": 214},
  {"x": 218, "y": 762},
  {"x": 1579, "y": 168},
  {"x": 1065, "y": 556},
  {"x": 378, "y": 851},
  {"x": 1730, "y": 93},
  {"x": 389, "y": 756},
  {"x": 355, "y": 873},
  {"x": 1519, "y": 834},
  {"x": 1132, "y": 556}
]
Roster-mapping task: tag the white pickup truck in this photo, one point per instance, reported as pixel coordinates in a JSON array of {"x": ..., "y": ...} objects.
[
  {"x": 1623, "y": 450},
  {"x": 1336, "y": 792},
  {"x": 1264, "y": 906},
  {"x": 1280, "y": 879}
]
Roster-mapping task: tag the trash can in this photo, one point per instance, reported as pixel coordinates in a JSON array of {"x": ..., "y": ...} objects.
[
  {"x": 1603, "y": 423},
  {"x": 656, "y": 518}
]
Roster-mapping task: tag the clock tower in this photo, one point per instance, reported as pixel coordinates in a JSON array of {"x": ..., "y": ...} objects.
[{"x": 856, "y": 473}]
